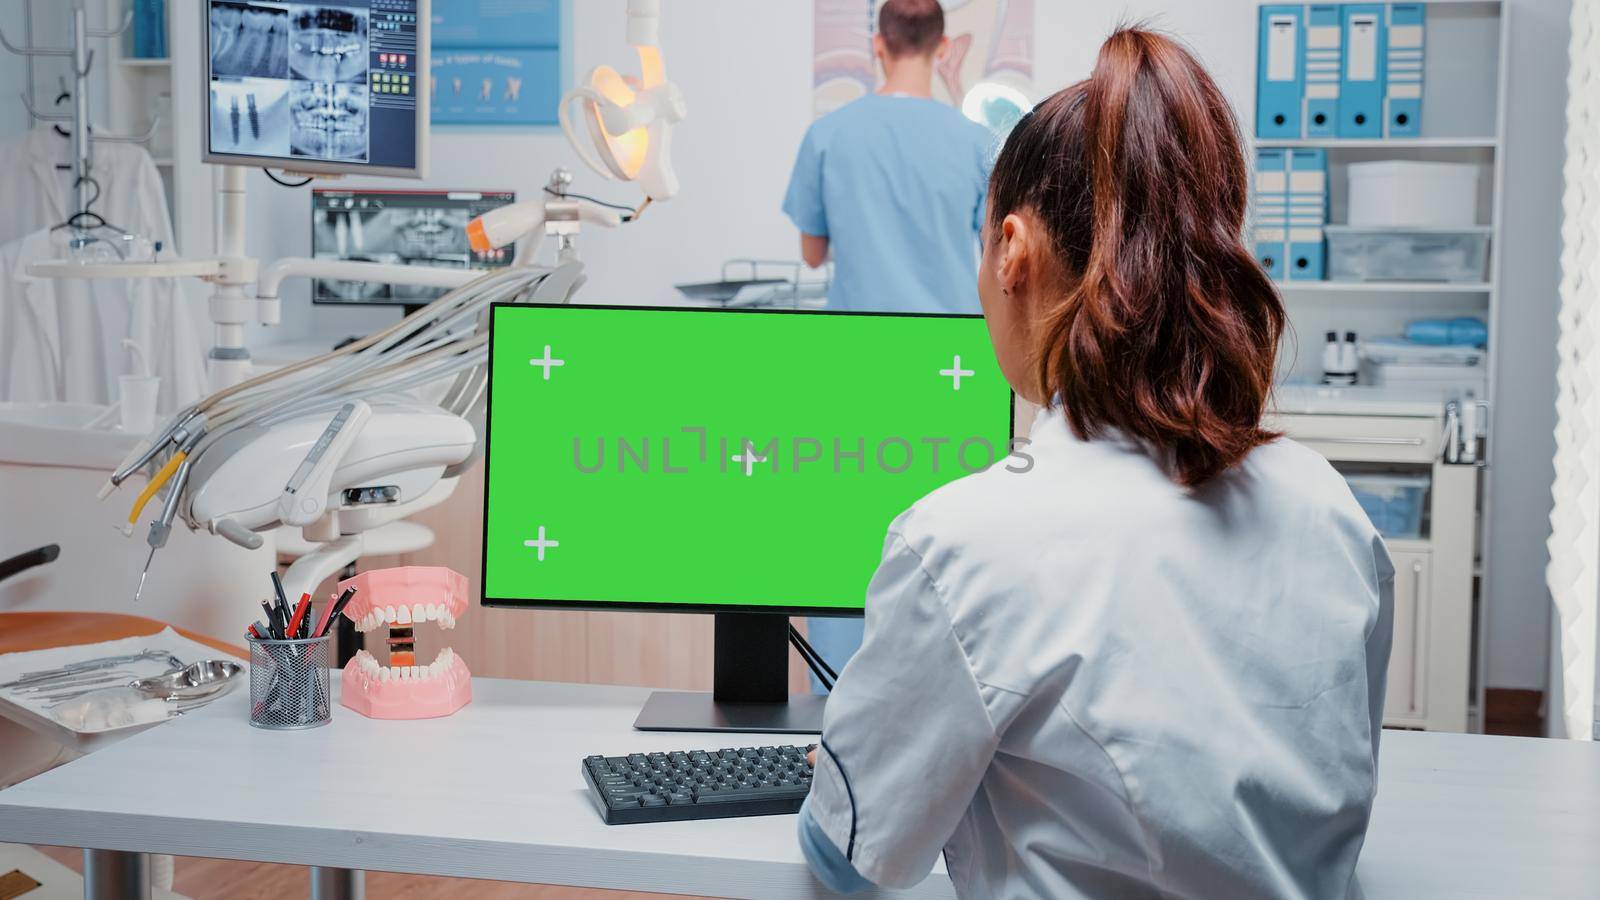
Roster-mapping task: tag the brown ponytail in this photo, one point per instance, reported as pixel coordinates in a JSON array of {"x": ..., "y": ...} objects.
[{"x": 1164, "y": 327}]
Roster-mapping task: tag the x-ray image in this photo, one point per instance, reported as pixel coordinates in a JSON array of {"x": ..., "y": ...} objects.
[
  {"x": 249, "y": 40},
  {"x": 412, "y": 236},
  {"x": 250, "y": 116},
  {"x": 328, "y": 121},
  {"x": 399, "y": 229},
  {"x": 328, "y": 43}
]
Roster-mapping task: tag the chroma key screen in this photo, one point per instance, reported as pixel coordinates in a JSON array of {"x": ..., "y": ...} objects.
[{"x": 719, "y": 459}]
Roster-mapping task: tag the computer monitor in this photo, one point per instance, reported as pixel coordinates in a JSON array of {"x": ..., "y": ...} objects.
[
  {"x": 745, "y": 463},
  {"x": 412, "y": 228},
  {"x": 328, "y": 88}
]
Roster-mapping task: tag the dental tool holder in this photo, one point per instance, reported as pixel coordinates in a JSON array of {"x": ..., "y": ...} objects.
[{"x": 289, "y": 683}]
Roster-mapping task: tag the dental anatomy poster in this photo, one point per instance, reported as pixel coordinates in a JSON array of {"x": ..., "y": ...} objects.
[
  {"x": 496, "y": 62},
  {"x": 987, "y": 71}
]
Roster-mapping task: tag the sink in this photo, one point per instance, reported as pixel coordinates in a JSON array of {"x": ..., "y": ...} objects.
[{"x": 59, "y": 434}]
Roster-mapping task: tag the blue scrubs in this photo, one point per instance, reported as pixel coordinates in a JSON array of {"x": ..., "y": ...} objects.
[{"x": 897, "y": 185}]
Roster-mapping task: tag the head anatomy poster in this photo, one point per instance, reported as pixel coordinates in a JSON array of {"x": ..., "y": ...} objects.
[{"x": 990, "y": 53}]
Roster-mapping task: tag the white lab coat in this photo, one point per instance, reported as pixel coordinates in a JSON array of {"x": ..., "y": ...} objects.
[
  {"x": 61, "y": 339},
  {"x": 1082, "y": 680}
]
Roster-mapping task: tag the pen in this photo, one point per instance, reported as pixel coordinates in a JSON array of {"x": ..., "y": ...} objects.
[
  {"x": 282, "y": 602},
  {"x": 292, "y": 630},
  {"x": 333, "y": 611}
]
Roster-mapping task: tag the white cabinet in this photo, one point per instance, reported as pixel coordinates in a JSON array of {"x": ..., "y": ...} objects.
[
  {"x": 1430, "y": 663},
  {"x": 1406, "y": 702}
]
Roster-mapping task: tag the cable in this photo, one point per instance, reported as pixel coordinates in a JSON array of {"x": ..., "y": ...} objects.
[
  {"x": 813, "y": 659},
  {"x": 597, "y": 202},
  {"x": 290, "y": 184}
]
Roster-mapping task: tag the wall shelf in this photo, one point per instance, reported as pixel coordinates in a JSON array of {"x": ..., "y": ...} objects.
[
  {"x": 1435, "y": 673},
  {"x": 1381, "y": 287},
  {"x": 1422, "y": 143}
]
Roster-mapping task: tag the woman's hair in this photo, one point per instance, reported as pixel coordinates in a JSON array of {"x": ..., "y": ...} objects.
[{"x": 1168, "y": 329}]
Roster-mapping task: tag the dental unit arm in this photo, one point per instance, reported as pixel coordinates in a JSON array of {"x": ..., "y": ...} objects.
[{"x": 230, "y": 463}]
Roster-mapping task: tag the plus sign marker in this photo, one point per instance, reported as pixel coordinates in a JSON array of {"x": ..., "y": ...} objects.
[{"x": 754, "y": 458}]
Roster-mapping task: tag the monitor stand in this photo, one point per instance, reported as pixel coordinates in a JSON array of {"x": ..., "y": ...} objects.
[{"x": 750, "y": 686}]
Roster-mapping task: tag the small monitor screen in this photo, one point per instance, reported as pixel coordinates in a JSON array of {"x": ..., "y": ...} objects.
[
  {"x": 722, "y": 460},
  {"x": 409, "y": 228},
  {"x": 317, "y": 87}
]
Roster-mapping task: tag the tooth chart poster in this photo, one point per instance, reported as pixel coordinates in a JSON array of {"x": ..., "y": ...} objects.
[{"x": 497, "y": 62}]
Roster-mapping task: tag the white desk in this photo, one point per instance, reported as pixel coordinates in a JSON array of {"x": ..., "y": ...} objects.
[{"x": 495, "y": 792}]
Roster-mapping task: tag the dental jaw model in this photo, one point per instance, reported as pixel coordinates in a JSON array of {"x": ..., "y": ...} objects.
[{"x": 396, "y": 601}]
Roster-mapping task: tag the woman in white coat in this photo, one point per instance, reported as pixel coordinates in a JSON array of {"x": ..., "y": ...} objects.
[{"x": 1153, "y": 664}]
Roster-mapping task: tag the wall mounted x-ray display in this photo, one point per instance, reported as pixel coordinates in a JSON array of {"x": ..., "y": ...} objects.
[
  {"x": 328, "y": 87},
  {"x": 987, "y": 72},
  {"x": 412, "y": 228},
  {"x": 496, "y": 62}
]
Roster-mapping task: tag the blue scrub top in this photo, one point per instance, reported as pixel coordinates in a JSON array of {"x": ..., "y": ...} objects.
[{"x": 897, "y": 185}]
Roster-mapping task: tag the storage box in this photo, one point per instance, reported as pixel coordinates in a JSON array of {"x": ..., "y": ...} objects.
[
  {"x": 1400, "y": 193},
  {"x": 1394, "y": 503},
  {"x": 1408, "y": 254}
]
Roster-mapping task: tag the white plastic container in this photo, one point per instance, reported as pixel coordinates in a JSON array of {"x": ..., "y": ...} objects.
[
  {"x": 1394, "y": 503},
  {"x": 1408, "y": 254},
  {"x": 1399, "y": 193}
]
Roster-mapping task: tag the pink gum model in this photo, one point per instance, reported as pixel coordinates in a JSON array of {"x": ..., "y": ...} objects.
[{"x": 402, "y": 597}]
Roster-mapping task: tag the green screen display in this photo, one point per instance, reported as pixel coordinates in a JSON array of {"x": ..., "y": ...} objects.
[{"x": 718, "y": 459}]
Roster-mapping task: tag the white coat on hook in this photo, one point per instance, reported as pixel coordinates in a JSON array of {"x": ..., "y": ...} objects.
[{"x": 61, "y": 340}]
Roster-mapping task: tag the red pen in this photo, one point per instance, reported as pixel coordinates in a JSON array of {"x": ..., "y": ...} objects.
[{"x": 293, "y": 631}]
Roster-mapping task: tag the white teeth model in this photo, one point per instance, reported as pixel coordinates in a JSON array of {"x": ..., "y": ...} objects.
[
  {"x": 433, "y": 611},
  {"x": 404, "y": 617},
  {"x": 389, "y": 615},
  {"x": 419, "y": 613}
]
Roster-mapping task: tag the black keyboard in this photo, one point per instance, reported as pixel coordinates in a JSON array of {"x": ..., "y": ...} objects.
[{"x": 698, "y": 784}]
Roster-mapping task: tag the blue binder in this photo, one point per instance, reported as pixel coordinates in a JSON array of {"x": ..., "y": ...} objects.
[
  {"x": 1361, "y": 84},
  {"x": 1308, "y": 213},
  {"x": 1324, "y": 56},
  {"x": 1280, "y": 69},
  {"x": 1403, "y": 88},
  {"x": 1270, "y": 211}
]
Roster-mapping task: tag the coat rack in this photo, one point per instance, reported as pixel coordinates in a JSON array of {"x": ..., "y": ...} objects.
[{"x": 82, "y": 60}]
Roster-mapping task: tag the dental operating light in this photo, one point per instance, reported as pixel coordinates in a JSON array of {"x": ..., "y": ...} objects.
[{"x": 629, "y": 119}]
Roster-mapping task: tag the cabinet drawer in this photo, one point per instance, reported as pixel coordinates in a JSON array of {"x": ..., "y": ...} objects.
[
  {"x": 1407, "y": 696},
  {"x": 1384, "y": 439}
]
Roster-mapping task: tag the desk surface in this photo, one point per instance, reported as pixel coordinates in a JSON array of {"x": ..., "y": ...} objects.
[{"x": 495, "y": 792}]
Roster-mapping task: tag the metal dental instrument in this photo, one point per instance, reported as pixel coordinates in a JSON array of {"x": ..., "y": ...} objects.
[
  {"x": 161, "y": 528},
  {"x": 97, "y": 676},
  {"x": 102, "y": 662}
]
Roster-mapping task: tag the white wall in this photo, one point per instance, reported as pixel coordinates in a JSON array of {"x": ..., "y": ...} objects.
[
  {"x": 1518, "y": 619},
  {"x": 745, "y": 68}
]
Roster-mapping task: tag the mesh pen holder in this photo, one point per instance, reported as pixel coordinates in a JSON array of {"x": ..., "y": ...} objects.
[{"x": 289, "y": 683}]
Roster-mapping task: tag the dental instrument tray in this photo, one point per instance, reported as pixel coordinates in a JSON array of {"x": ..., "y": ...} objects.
[
  {"x": 43, "y": 688},
  {"x": 758, "y": 291}
]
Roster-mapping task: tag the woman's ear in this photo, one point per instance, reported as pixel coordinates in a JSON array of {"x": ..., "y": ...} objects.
[{"x": 1016, "y": 243}]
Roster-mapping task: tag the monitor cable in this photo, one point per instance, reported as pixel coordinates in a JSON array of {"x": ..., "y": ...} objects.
[
  {"x": 289, "y": 184},
  {"x": 819, "y": 666}
]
